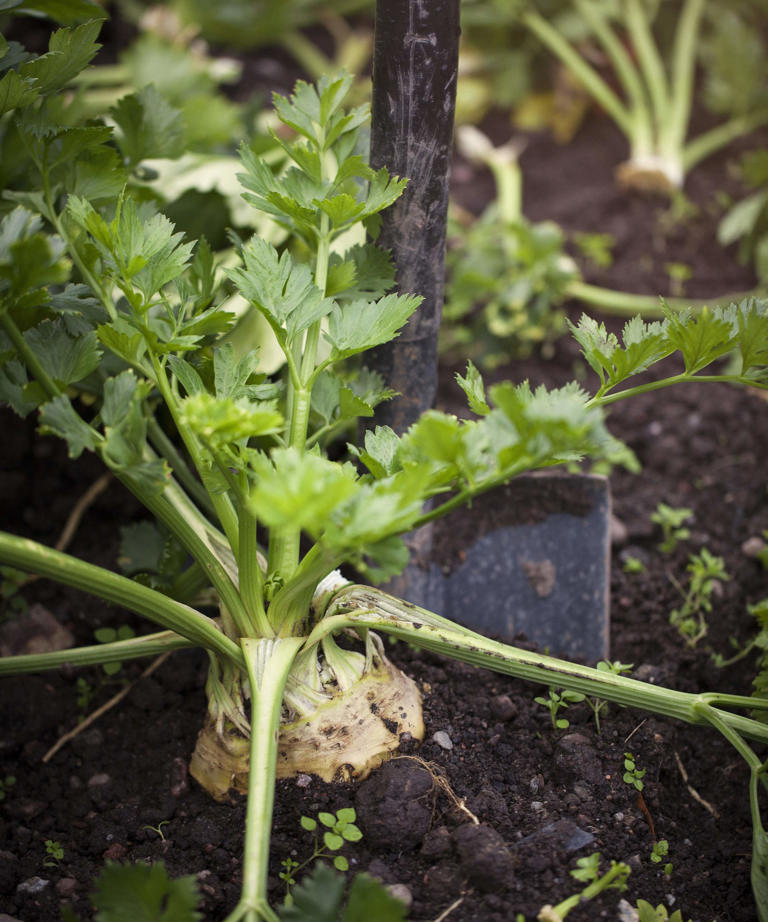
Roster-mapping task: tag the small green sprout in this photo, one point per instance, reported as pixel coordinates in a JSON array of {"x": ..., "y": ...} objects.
[
  {"x": 679, "y": 274},
  {"x": 5, "y": 785},
  {"x": 671, "y": 520},
  {"x": 646, "y": 913},
  {"x": 110, "y": 635},
  {"x": 690, "y": 619},
  {"x": 55, "y": 852},
  {"x": 598, "y": 704},
  {"x": 85, "y": 693},
  {"x": 158, "y": 829},
  {"x": 632, "y": 774},
  {"x": 633, "y": 565},
  {"x": 557, "y": 700},
  {"x": 588, "y": 872},
  {"x": 659, "y": 852},
  {"x": 596, "y": 248}
]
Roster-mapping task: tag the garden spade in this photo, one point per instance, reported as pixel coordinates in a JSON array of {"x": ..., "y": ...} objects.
[{"x": 534, "y": 556}]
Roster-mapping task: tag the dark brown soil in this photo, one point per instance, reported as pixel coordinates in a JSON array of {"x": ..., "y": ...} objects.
[{"x": 543, "y": 797}]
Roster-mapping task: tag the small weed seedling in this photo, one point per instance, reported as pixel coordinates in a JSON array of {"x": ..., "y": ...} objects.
[
  {"x": 598, "y": 704},
  {"x": 158, "y": 829},
  {"x": 659, "y": 852},
  {"x": 690, "y": 619},
  {"x": 5, "y": 785},
  {"x": 339, "y": 829},
  {"x": 55, "y": 853},
  {"x": 557, "y": 700},
  {"x": 588, "y": 872},
  {"x": 671, "y": 521},
  {"x": 632, "y": 774},
  {"x": 596, "y": 248},
  {"x": 111, "y": 635},
  {"x": 633, "y": 565},
  {"x": 679, "y": 274},
  {"x": 646, "y": 913}
]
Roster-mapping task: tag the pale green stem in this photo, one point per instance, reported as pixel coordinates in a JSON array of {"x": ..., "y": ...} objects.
[
  {"x": 96, "y": 655},
  {"x": 584, "y": 72},
  {"x": 642, "y": 143},
  {"x": 269, "y": 663},
  {"x": 683, "y": 378},
  {"x": 590, "y": 892},
  {"x": 181, "y": 470},
  {"x": 358, "y": 606},
  {"x": 289, "y": 610},
  {"x": 221, "y": 501},
  {"x": 624, "y": 304},
  {"x": 251, "y": 577},
  {"x": 285, "y": 541},
  {"x": 711, "y": 141},
  {"x": 32, "y": 557},
  {"x": 508, "y": 178},
  {"x": 650, "y": 61},
  {"x": 675, "y": 127}
]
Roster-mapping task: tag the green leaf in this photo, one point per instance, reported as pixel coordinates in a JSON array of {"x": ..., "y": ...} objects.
[
  {"x": 66, "y": 12},
  {"x": 701, "y": 337},
  {"x": 16, "y": 92},
  {"x": 186, "y": 374},
  {"x": 59, "y": 418},
  {"x": 150, "y": 127},
  {"x": 644, "y": 344},
  {"x": 332, "y": 841},
  {"x": 13, "y": 381},
  {"x": 70, "y": 50},
  {"x": 382, "y": 451},
  {"x": 308, "y": 823},
  {"x": 316, "y": 899},
  {"x": 369, "y": 899},
  {"x": 284, "y": 292},
  {"x": 144, "y": 893},
  {"x": 141, "y": 546},
  {"x": 742, "y": 218},
  {"x": 474, "y": 388},
  {"x": 366, "y": 269},
  {"x": 752, "y": 320},
  {"x": 66, "y": 359},
  {"x": 358, "y": 326},
  {"x": 299, "y": 490},
  {"x": 223, "y": 421}
]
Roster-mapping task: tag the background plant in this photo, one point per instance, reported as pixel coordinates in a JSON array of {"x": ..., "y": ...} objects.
[
  {"x": 706, "y": 573},
  {"x": 672, "y": 521}
]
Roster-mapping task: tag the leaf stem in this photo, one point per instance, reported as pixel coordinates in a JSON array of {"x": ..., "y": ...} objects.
[{"x": 32, "y": 557}]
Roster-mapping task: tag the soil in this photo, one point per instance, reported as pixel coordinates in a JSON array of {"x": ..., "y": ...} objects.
[{"x": 526, "y": 799}]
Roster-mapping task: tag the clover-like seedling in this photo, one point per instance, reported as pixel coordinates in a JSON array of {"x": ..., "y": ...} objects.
[
  {"x": 340, "y": 828},
  {"x": 671, "y": 521},
  {"x": 557, "y": 700},
  {"x": 632, "y": 774},
  {"x": 55, "y": 852},
  {"x": 659, "y": 852},
  {"x": 587, "y": 871},
  {"x": 110, "y": 635}
]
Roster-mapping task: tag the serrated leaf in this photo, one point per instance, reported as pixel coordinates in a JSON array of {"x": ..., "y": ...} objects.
[
  {"x": 70, "y": 50},
  {"x": 299, "y": 490},
  {"x": 316, "y": 899},
  {"x": 122, "y": 340},
  {"x": 382, "y": 451},
  {"x": 16, "y": 91},
  {"x": 220, "y": 422},
  {"x": 144, "y": 893},
  {"x": 13, "y": 383},
  {"x": 150, "y": 127},
  {"x": 369, "y": 899},
  {"x": 58, "y": 417},
  {"x": 284, "y": 292},
  {"x": 644, "y": 344},
  {"x": 186, "y": 374},
  {"x": 752, "y": 320},
  {"x": 355, "y": 327},
  {"x": 374, "y": 273},
  {"x": 701, "y": 337},
  {"x": 474, "y": 388},
  {"x": 66, "y": 359},
  {"x": 351, "y": 406}
]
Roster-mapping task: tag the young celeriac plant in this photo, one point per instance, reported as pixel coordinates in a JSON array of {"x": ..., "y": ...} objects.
[
  {"x": 242, "y": 477},
  {"x": 654, "y": 113}
]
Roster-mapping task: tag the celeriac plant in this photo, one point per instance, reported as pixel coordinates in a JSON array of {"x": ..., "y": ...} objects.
[
  {"x": 654, "y": 109},
  {"x": 298, "y": 679}
]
